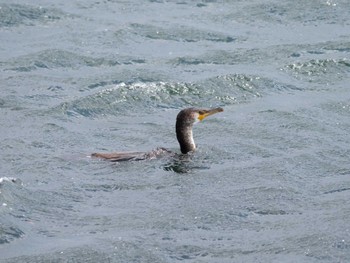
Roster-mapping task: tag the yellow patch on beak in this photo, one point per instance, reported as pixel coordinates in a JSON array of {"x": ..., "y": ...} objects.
[{"x": 203, "y": 115}]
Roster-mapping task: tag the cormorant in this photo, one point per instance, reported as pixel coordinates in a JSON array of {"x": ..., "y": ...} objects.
[{"x": 184, "y": 123}]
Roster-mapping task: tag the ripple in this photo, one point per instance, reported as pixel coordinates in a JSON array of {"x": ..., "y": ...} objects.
[
  {"x": 56, "y": 58},
  {"x": 9, "y": 233},
  {"x": 337, "y": 190},
  {"x": 220, "y": 57},
  {"x": 113, "y": 187},
  {"x": 175, "y": 33},
  {"x": 15, "y": 15},
  {"x": 8, "y": 230}
]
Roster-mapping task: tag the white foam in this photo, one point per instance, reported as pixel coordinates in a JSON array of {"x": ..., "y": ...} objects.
[{"x": 7, "y": 179}]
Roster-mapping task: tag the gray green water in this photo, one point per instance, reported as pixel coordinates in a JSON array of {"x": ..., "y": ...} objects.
[{"x": 270, "y": 181}]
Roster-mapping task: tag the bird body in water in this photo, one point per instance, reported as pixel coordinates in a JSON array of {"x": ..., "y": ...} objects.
[{"x": 184, "y": 123}]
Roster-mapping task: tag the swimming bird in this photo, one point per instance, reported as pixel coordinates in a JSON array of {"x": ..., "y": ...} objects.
[{"x": 184, "y": 124}]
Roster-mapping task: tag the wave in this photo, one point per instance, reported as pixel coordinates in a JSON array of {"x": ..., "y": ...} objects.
[
  {"x": 56, "y": 58},
  {"x": 21, "y": 207},
  {"x": 9, "y": 231},
  {"x": 16, "y": 14},
  {"x": 180, "y": 33},
  {"x": 149, "y": 96}
]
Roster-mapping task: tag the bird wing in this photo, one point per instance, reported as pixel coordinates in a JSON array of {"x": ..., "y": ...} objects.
[{"x": 119, "y": 156}]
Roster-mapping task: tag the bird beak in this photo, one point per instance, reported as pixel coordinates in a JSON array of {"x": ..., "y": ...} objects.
[{"x": 205, "y": 113}]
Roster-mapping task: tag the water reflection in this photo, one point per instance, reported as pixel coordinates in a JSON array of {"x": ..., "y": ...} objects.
[{"x": 184, "y": 163}]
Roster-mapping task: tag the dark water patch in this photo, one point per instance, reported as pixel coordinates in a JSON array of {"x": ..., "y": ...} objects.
[
  {"x": 177, "y": 167},
  {"x": 9, "y": 231},
  {"x": 16, "y": 14},
  {"x": 220, "y": 57},
  {"x": 270, "y": 212},
  {"x": 314, "y": 51},
  {"x": 186, "y": 252},
  {"x": 183, "y": 164},
  {"x": 99, "y": 84},
  {"x": 113, "y": 187},
  {"x": 13, "y": 103},
  {"x": 179, "y": 33},
  {"x": 55, "y": 58},
  {"x": 342, "y": 245},
  {"x": 337, "y": 190},
  {"x": 55, "y": 88},
  {"x": 2, "y": 103},
  {"x": 52, "y": 127},
  {"x": 188, "y": 61},
  {"x": 343, "y": 46},
  {"x": 320, "y": 70}
]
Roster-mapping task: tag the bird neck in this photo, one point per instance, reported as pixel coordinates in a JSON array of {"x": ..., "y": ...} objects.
[{"x": 185, "y": 137}]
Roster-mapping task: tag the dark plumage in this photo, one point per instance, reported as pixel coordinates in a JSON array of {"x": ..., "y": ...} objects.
[{"x": 184, "y": 123}]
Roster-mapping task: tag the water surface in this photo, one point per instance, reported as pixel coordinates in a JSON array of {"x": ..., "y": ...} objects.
[{"x": 270, "y": 180}]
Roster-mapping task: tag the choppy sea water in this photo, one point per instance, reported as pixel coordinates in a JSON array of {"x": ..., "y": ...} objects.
[{"x": 270, "y": 181}]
